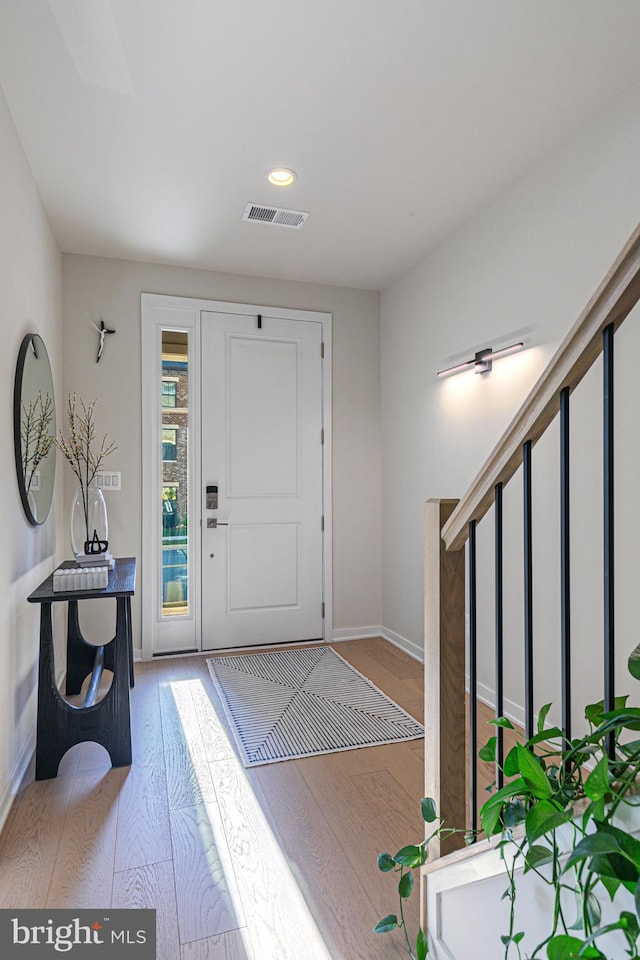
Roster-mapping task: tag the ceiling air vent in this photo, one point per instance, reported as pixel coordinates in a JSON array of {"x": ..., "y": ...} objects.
[{"x": 277, "y": 216}]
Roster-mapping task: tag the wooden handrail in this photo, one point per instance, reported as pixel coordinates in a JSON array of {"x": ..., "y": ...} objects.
[{"x": 611, "y": 303}]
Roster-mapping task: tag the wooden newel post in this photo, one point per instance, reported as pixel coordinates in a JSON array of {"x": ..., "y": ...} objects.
[{"x": 444, "y": 676}]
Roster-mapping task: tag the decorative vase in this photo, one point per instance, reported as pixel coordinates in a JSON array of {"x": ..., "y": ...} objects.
[{"x": 88, "y": 525}]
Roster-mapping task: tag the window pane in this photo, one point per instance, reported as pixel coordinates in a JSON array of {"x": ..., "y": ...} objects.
[
  {"x": 169, "y": 393},
  {"x": 175, "y": 474},
  {"x": 170, "y": 444}
]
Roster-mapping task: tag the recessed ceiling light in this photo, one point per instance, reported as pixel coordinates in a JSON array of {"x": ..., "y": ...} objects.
[{"x": 281, "y": 176}]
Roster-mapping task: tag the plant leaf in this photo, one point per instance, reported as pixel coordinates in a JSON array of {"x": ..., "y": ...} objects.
[
  {"x": 406, "y": 885},
  {"x": 502, "y": 722},
  {"x": 542, "y": 716},
  {"x": 542, "y": 818},
  {"x": 611, "y": 884},
  {"x": 536, "y": 856},
  {"x": 636, "y": 899},
  {"x": 595, "y": 711},
  {"x": 410, "y": 856},
  {"x": 616, "y": 866},
  {"x": 554, "y": 733},
  {"x": 516, "y": 938},
  {"x": 511, "y": 768},
  {"x": 597, "y": 810},
  {"x": 593, "y": 909},
  {"x": 488, "y": 752},
  {"x": 511, "y": 789},
  {"x": 490, "y": 820},
  {"x": 533, "y": 774},
  {"x": 386, "y": 862},
  {"x": 564, "y": 947},
  {"x": 429, "y": 813},
  {"x": 627, "y": 844},
  {"x": 597, "y": 783},
  {"x": 593, "y": 845},
  {"x": 422, "y": 947},
  {"x": 631, "y": 923},
  {"x": 514, "y": 813},
  {"x": 634, "y": 663},
  {"x": 388, "y": 923},
  {"x": 492, "y": 808}
]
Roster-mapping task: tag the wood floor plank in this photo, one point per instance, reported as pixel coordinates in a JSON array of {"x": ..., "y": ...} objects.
[
  {"x": 187, "y": 769},
  {"x": 83, "y": 873},
  {"x": 206, "y": 890},
  {"x": 363, "y": 824},
  {"x": 216, "y": 736},
  {"x": 143, "y": 834},
  {"x": 29, "y": 845},
  {"x": 398, "y": 759},
  {"x": 278, "y": 924},
  {"x": 228, "y": 946},
  {"x": 342, "y": 911},
  {"x": 415, "y": 708},
  {"x": 396, "y": 661},
  {"x": 152, "y": 886}
]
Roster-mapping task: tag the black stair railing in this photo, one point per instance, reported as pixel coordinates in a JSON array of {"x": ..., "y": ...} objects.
[
  {"x": 565, "y": 585},
  {"x": 592, "y": 334}
]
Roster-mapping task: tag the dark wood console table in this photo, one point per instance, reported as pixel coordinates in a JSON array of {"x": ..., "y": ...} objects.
[{"x": 60, "y": 724}]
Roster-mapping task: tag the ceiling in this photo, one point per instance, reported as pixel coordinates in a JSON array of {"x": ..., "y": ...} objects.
[{"x": 150, "y": 124}]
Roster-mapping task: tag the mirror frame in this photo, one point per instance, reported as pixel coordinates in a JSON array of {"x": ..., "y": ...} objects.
[{"x": 32, "y": 341}]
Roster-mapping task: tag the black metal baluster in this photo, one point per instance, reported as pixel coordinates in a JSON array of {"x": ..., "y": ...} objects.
[
  {"x": 528, "y": 591},
  {"x": 499, "y": 635},
  {"x": 609, "y": 611},
  {"x": 565, "y": 564},
  {"x": 473, "y": 679}
]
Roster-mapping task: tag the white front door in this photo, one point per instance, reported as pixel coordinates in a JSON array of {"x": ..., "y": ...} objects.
[{"x": 262, "y": 562}]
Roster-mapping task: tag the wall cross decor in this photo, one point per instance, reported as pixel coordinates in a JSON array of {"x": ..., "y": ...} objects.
[{"x": 102, "y": 333}]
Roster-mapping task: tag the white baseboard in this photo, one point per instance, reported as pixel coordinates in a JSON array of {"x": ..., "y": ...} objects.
[
  {"x": 355, "y": 633},
  {"x": 513, "y": 711},
  {"x": 26, "y": 754},
  {"x": 408, "y": 646},
  {"x": 20, "y": 768},
  {"x": 361, "y": 633}
]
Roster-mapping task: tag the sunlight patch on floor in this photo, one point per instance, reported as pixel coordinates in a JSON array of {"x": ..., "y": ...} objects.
[{"x": 279, "y": 923}]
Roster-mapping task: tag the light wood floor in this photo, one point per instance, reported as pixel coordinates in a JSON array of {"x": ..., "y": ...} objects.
[{"x": 274, "y": 863}]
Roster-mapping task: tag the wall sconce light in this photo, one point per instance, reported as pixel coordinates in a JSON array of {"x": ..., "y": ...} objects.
[{"x": 483, "y": 360}]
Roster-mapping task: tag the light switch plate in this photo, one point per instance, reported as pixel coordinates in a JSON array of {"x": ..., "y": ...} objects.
[{"x": 109, "y": 479}]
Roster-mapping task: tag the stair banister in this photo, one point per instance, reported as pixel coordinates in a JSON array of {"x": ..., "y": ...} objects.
[{"x": 447, "y": 527}]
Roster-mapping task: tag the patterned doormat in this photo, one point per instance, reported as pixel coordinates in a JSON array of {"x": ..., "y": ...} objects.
[{"x": 299, "y": 703}]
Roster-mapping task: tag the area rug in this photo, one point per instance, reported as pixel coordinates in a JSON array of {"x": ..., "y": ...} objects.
[{"x": 287, "y": 704}]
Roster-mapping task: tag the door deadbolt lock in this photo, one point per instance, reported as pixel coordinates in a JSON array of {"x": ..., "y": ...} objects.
[{"x": 212, "y": 496}]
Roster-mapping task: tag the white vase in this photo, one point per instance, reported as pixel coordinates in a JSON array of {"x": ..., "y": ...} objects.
[{"x": 88, "y": 520}]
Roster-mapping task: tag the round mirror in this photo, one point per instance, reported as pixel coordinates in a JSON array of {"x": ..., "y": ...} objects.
[{"x": 34, "y": 428}]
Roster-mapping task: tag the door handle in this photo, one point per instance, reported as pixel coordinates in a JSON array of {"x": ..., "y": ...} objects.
[{"x": 213, "y": 522}]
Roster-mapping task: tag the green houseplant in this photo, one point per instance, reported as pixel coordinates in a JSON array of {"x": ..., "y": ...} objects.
[{"x": 559, "y": 815}]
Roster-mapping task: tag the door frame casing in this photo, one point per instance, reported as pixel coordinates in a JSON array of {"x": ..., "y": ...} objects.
[{"x": 158, "y": 312}]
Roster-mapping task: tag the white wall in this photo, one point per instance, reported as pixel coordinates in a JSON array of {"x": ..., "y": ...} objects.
[
  {"x": 30, "y": 303},
  {"x": 96, "y": 288},
  {"x": 527, "y": 264}
]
